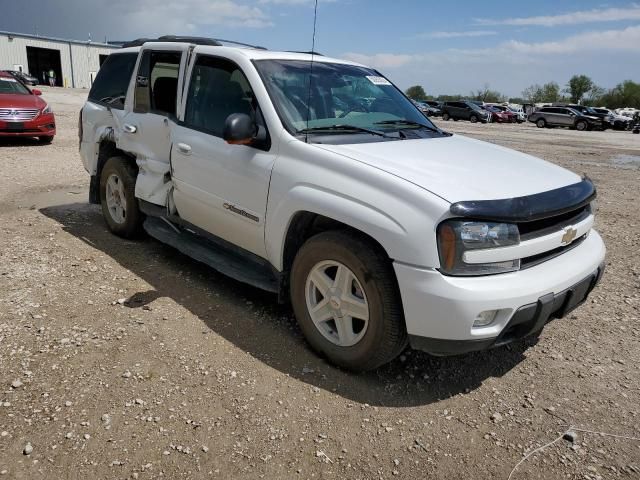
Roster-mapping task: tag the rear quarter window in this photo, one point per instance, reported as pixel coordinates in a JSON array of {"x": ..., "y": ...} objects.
[{"x": 111, "y": 83}]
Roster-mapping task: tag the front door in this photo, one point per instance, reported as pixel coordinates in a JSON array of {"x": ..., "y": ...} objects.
[
  {"x": 151, "y": 108},
  {"x": 219, "y": 187}
]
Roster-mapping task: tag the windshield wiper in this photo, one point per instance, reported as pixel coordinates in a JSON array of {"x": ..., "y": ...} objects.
[
  {"x": 409, "y": 122},
  {"x": 342, "y": 128}
]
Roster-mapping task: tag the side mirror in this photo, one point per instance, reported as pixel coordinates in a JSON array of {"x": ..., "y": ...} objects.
[
  {"x": 240, "y": 129},
  {"x": 35, "y": 91}
]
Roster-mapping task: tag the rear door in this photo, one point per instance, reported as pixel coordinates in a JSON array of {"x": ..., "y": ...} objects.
[
  {"x": 562, "y": 117},
  {"x": 153, "y": 100}
]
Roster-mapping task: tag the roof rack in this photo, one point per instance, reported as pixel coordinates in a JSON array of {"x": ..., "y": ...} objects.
[
  {"x": 309, "y": 52},
  {"x": 216, "y": 42},
  {"x": 233, "y": 42}
]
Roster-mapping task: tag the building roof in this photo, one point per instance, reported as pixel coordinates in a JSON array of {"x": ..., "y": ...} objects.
[{"x": 55, "y": 39}]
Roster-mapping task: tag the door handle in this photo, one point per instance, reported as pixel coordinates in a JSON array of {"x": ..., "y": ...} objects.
[
  {"x": 130, "y": 128},
  {"x": 184, "y": 148}
]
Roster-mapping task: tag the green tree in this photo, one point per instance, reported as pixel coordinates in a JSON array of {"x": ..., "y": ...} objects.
[
  {"x": 578, "y": 87},
  {"x": 594, "y": 96},
  {"x": 547, "y": 93},
  {"x": 625, "y": 94},
  {"x": 416, "y": 93},
  {"x": 485, "y": 94}
]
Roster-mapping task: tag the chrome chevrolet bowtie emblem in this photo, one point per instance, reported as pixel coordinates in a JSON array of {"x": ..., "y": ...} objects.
[
  {"x": 13, "y": 113},
  {"x": 569, "y": 235}
]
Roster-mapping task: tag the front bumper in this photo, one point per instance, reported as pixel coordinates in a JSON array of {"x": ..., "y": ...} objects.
[
  {"x": 41, "y": 126},
  {"x": 440, "y": 310}
]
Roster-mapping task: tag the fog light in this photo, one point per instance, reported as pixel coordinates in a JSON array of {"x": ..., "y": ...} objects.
[{"x": 485, "y": 318}]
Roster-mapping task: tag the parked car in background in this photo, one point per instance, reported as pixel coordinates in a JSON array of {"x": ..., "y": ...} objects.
[
  {"x": 607, "y": 120},
  {"x": 521, "y": 116},
  {"x": 564, "y": 117},
  {"x": 501, "y": 114},
  {"x": 23, "y": 77},
  {"x": 435, "y": 106},
  {"x": 626, "y": 112},
  {"x": 620, "y": 122},
  {"x": 465, "y": 110},
  {"x": 22, "y": 112}
]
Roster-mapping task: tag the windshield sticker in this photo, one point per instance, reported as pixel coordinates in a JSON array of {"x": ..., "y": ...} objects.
[
  {"x": 378, "y": 80},
  {"x": 4, "y": 79}
]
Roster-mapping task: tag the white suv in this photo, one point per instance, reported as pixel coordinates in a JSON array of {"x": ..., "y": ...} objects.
[{"x": 316, "y": 178}]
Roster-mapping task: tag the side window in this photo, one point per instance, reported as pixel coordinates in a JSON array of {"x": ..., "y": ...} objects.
[
  {"x": 111, "y": 83},
  {"x": 218, "y": 88},
  {"x": 157, "y": 83}
]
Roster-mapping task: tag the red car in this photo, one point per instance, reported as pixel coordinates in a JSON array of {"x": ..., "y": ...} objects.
[
  {"x": 23, "y": 113},
  {"x": 501, "y": 114}
]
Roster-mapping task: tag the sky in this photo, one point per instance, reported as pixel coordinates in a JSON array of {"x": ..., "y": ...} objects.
[{"x": 447, "y": 47}]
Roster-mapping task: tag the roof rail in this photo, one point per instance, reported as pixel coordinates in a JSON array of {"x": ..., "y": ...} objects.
[
  {"x": 309, "y": 52},
  {"x": 216, "y": 42},
  {"x": 233, "y": 42}
]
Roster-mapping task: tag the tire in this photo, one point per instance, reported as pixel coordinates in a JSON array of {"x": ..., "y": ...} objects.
[
  {"x": 581, "y": 125},
  {"x": 384, "y": 336},
  {"x": 446, "y": 116},
  {"x": 45, "y": 140},
  {"x": 473, "y": 119},
  {"x": 123, "y": 175},
  {"x": 541, "y": 123}
]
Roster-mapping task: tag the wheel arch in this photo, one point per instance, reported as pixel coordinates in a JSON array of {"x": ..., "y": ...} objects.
[{"x": 106, "y": 149}]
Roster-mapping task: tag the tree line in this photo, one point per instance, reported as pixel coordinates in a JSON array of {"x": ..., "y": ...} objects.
[{"x": 579, "y": 89}]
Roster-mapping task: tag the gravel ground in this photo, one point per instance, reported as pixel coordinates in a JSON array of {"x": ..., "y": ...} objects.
[{"x": 123, "y": 359}]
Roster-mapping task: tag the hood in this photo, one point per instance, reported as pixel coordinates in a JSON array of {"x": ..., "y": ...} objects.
[
  {"x": 458, "y": 168},
  {"x": 21, "y": 101}
]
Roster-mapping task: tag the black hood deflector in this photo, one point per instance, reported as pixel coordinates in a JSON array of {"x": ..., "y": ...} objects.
[{"x": 531, "y": 207}]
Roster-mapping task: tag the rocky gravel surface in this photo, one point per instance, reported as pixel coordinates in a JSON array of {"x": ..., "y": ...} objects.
[{"x": 123, "y": 359}]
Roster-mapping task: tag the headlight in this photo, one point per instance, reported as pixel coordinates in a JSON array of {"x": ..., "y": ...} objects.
[
  {"x": 47, "y": 109},
  {"x": 455, "y": 237}
]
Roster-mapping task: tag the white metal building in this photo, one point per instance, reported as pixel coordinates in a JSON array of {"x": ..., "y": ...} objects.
[{"x": 74, "y": 62}]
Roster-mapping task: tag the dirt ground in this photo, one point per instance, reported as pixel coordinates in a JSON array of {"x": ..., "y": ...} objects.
[{"x": 123, "y": 359}]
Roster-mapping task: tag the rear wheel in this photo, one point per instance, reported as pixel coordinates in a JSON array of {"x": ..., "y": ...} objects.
[
  {"x": 117, "y": 196},
  {"x": 541, "y": 123},
  {"x": 581, "y": 125},
  {"x": 346, "y": 300},
  {"x": 445, "y": 117}
]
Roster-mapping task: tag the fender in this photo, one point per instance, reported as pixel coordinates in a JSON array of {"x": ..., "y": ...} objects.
[{"x": 394, "y": 237}]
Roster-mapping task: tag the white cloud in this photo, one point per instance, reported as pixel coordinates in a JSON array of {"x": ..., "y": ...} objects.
[
  {"x": 154, "y": 16},
  {"x": 470, "y": 33},
  {"x": 573, "y": 18},
  {"x": 513, "y": 65},
  {"x": 626, "y": 39}
]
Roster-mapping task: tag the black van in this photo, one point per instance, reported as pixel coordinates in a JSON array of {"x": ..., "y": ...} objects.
[{"x": 465, "y": 110}]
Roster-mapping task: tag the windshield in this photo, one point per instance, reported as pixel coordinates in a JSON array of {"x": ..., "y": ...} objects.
[
  {"x": 339, "y": 95},
  {"x": 12, "y": 86}
]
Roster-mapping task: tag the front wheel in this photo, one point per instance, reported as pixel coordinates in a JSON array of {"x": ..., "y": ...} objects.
[
  {"x": 473, "y": 119},
  {"x": 581, "y": 126},
  {"x": 541, "y": 123},
  {"x": 117, "y": 196},
  {"x": 346, "y": 300},
  {"x": 45, "y": 140}
]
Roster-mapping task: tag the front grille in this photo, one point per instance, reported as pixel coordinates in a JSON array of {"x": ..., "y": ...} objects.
[
  {"x": 18, "y": 114},
  {"x": 546, "y": 226}
]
